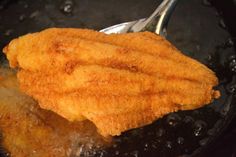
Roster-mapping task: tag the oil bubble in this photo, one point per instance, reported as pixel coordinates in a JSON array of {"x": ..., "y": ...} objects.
[
  {"x": 117, "y": 152},
  {"x": 155, "y": 144},
  {"x": 232, "y": 57},
  {"x": 22, "y": 17},
  {"x": 169, "y": 144},
  {"x": 229, "y": 43},
  {"x": 180, "y": 140},
  {"x": 173, "y": 119},
  {"x": 232, "y": 63},
  {"x": 146, "y": 147},
  {"x": 188, "y": 119},
  {"x": 67, "y": 7},
  {"x": 199, "y": 128},
  {"x": 134, "y": 153},
  {"x": 34, "y": 14},
  {"x": 211, "y": 132},
  {"x": 100, "y": 153},
  {"x": 222, "y": 24},
  {"x": 203, "y": 142},
  {"x": 232, "y": 89},
  {"x": 6, "y": 154}
]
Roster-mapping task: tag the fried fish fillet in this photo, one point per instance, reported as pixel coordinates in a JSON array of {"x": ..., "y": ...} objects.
[{"x": 117, "y": 81}]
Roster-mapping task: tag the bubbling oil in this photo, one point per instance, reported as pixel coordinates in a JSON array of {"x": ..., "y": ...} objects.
[{"x": 38, "y": 132}]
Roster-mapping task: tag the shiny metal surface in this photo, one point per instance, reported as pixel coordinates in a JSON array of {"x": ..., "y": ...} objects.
[{"x": 157, "y": 22}]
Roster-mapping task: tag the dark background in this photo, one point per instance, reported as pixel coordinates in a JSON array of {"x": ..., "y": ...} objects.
[{"x": 196, "y": 26}]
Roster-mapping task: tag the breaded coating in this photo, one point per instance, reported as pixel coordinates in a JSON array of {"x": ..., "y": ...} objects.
[{"x": 117, "y": 81}]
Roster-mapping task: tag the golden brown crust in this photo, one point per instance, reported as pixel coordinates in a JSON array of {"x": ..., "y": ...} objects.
[{"x": 83, "y": 74}]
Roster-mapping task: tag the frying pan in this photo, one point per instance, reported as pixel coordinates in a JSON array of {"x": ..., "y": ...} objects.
[{"x": 204, "y": 30}]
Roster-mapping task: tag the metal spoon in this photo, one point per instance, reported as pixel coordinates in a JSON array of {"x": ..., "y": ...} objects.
[{"x": 157, "y": 22}]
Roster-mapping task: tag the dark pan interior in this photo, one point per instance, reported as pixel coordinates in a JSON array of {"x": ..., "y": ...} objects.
[{"x": 204, "y": 30}]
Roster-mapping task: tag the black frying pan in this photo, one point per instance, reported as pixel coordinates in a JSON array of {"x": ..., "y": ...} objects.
[{"x": 203, "y": 30}]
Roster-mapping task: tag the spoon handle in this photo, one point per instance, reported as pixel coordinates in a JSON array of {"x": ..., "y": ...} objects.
[{"x": 159, "y": 19}]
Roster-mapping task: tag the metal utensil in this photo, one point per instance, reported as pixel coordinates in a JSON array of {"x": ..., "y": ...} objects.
[{"x": 157, "y": 22}]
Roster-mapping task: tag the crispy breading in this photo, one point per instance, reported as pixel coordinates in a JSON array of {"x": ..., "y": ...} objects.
[{"x": 118, "y": 81}]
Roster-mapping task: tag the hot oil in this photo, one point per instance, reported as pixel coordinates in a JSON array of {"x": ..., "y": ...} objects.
[{"x": 28, "y": 130}]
